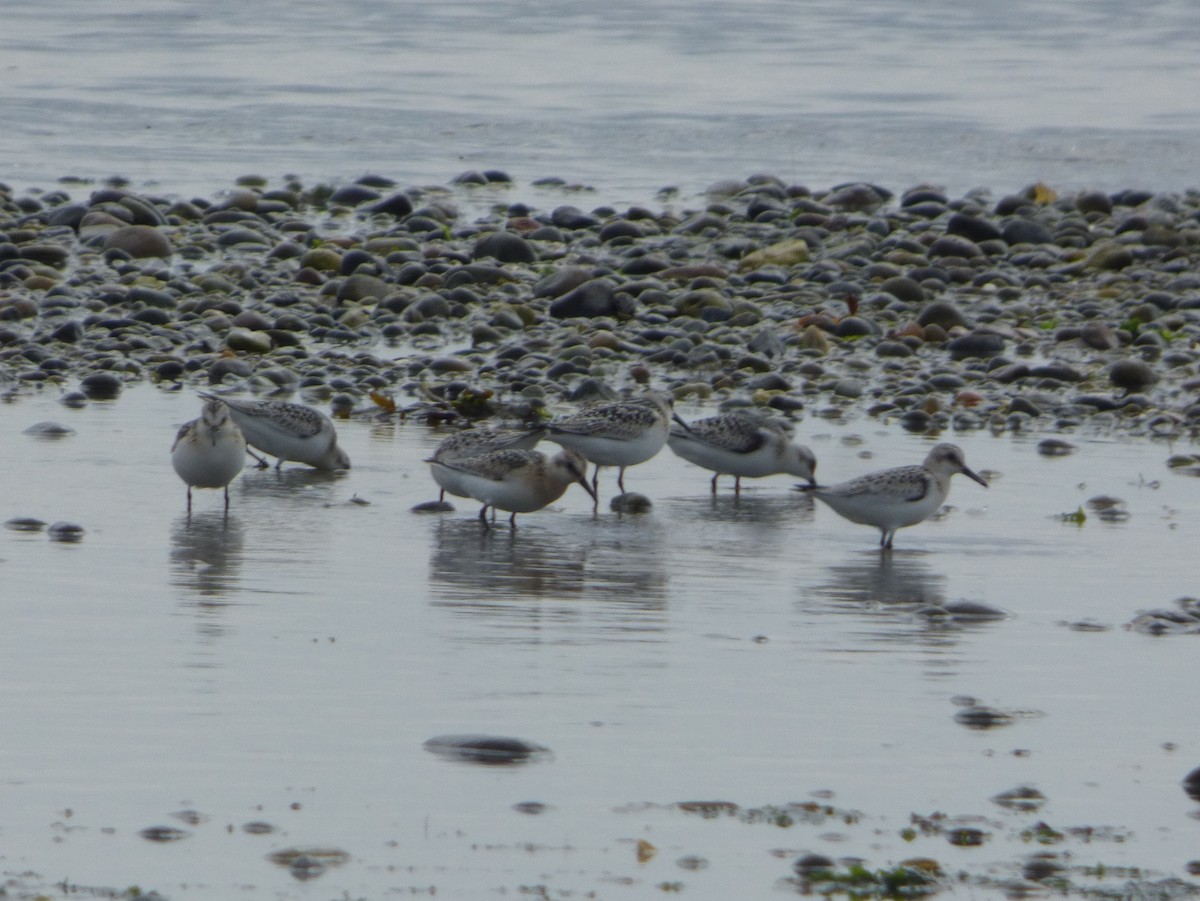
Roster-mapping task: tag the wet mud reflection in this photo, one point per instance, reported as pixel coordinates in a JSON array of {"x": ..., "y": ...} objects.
[
  {"x": 515, "y": 577},
  {"x": 207, "y": 552}
]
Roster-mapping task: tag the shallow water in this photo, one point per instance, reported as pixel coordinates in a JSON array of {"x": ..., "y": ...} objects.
[
  {"x": 287, "y": 665},
  {"x": 184, "y": 98}
]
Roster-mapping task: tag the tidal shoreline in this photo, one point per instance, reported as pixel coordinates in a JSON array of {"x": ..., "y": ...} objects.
[{"x": 1031, "y": 311}]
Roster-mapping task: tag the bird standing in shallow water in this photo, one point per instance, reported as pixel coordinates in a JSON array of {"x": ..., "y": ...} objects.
[
  {"x": 210, "y": 451},
  {"x": 516, "y": 481},
  {"x": 287, "y": 431},
  {"x": 742, "y": 445},
  {"x": 622, "y": 433},
  {"x": 894, "y": 498},
  {"x": 471, "y": 443}
]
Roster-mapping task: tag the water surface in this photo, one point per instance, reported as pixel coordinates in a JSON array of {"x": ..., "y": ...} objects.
[{"x": 286, "y": 665}]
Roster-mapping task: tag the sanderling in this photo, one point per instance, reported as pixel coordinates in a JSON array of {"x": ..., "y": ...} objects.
[
  {"x": 741, "y": 445},
  {"x": 471, "y": 443},
  {"x": 894, "y": 498},
  {"x": 623, "y": 433},
  {"x": 513, "y": 480},
  {"x": 287, "y": 431},
  {"x": 210, "y": 451}
]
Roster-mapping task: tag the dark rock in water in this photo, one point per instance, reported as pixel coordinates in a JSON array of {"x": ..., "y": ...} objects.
[
  {"x": 492, "y": 750},
  {"x": 976, "y": 344},
  {"x": 101, "y": 385},
  {"x": 25, "y": 524},
  {"x": 49, "y": 429},
  {"x": 1131, "y": 375},
  {"x": 973, "y": 611},
  {"x": 1023, "y": 798},
  {"x": 504, "y": 247},
  {"x": 813, "y": 863},
  {"x": 65, "y": 532},
  {"x": 630, "y": 502},
  {"x": 979, "y": 717},
  {"x": 433, "y": 507},
  {"x": 915, "y": 420},
  {"x": 163, "y": 834},
  {"x": 1191, "y": 784},
  {"x": 1041, "y": 867},
  {"x": 1055, "y": 447}
]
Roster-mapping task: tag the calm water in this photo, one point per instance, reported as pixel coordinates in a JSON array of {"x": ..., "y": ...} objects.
[
  {"x": 286, "y": 666},
  {"x": 627, "y": 97}
]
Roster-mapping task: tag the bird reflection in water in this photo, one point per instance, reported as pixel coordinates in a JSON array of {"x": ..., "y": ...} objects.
[
  {"x": 206, "y": 556},
  {"x": 885, "y": 580},
  {"x": 521, "y": 579},
  {"x": 902, "y": 598}
]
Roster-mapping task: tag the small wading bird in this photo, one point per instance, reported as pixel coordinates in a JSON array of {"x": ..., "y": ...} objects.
[
  {"x": 741, "y": 445},
  {"x": 471, "y": 443},
  {"x": 892, "y": 499},
  {"x": 514, "y": 480},
  {"x": 210, "y": 451},
  {"x": 622, "y": 434},
  {"x": 287, "y": 431}
]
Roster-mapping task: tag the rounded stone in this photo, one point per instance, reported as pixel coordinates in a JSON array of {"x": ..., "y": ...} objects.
[
  {"x": 973, "y": 228},
  {"x": 504, "y": 247},
  {"x": 1131, "y": 375},
  {"x": 591, "y": 299},
  {"x": 975, "y": 345},
  {"x": 943, "y": 313},
  {"x": 139, "y": 241},
  {"x": 1026, "y": 231},
  {"x": 954, "y": 246}
]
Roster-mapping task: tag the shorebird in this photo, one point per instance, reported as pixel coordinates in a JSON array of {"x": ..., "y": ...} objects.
[
  {"x": 209, "y": 451},
  {"x": 471, "y": 443},
  {"x": 892, "y": 499},
  {"x": 622, "y": 433},
  {"x": 514, "y": 480},
  {"x": 287, "y": 431},
  {"x": 742, "y": 445}
]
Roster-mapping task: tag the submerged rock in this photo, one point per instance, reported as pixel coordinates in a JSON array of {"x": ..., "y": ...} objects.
[{"x": 492, "y": 750}]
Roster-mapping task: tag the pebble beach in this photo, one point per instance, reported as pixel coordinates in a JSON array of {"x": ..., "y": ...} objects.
[{"x": 1034, "y": 311}]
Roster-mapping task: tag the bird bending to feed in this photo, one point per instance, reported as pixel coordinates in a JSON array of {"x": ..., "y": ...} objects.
[
  {"x": 515, "y": 480},
  {"x": 471, "y": 443},
  {"x": 742, "y": 445},
  {"x": 622, "y": 433},
  {"x": 287, "y": 431},
  {"x": 894, "y": 498},
  {"x": 210, "y": 451}
]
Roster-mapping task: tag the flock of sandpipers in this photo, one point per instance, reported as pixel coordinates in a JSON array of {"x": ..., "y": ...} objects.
[{"x": 503, "y": 471}]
